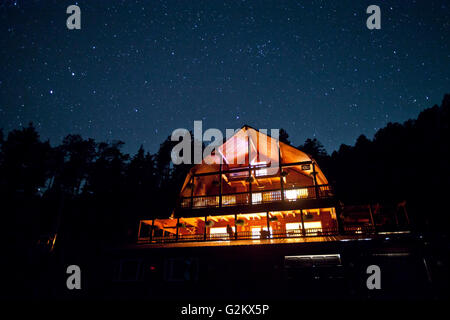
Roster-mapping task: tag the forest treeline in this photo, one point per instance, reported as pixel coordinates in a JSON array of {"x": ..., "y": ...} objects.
[{"x": 93, "y": 192}]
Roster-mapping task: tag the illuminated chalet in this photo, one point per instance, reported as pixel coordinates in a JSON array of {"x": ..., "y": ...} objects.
[{"x": 252, "y": 188}]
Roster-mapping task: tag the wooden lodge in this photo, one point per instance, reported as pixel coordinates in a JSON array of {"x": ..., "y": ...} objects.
[{"x": 254, "y": 187}]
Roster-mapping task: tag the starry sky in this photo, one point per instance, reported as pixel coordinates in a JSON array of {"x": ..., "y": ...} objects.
[{"x": 137, "y": 70}]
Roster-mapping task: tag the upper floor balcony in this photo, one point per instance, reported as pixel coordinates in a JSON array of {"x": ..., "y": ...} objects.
[
  {"x": 252, "y": 169},
  {"x": 291, "y": 194}
]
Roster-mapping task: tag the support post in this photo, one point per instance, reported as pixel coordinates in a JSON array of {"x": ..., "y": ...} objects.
[
  {"x": 250, "y": 200},
  {"x": 406, "y": 215},
  {"x": 204, "y": 235},
  {"x": 192, "y": 191},
  {"x": 151, "y": 230},
  {"x": 315, "y": 180},
  {"x": 235, "y": 227},
  {"x": 279, "y": 169},
  {"x": 220, "y": 185},
  {"x": 178, "y": 222},
  {"x": 268, "y": 225},
  {"x": 303, "y": 223},
  {"x": 139, "y": 231},
  {"x": 339, "y": 222},
  {"x": 372, "y": 220}
]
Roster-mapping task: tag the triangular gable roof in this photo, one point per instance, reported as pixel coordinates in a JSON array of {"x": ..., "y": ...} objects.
[{"x": 237, "y": 147}]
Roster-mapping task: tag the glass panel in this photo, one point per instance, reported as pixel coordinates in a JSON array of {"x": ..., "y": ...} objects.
[
  {"x": 191, "y": 229},
  {"x": 220, "y": 227},
  {"x": 286, "y": 223},
  {"x": 295, "y": 177},
  {"x": 313, "y": 222},
  {"x": 164, "y": 230},
  {"x": 235, "y": 199},
  {"x": 205, "y": 201},
  {"x": 207, "y": 185},
  {"x": 252, "y": 226},
  {"x": 235, "y": 182},
  {"x": 186, "y": 192},
  {"x": 262, "y": 169},
  {"x": 265, "y": 183},
  {"x": 295, "y": 194},
  {"x": 328, "y": 219}
]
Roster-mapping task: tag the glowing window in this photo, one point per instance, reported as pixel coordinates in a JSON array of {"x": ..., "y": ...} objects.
[
  {"x": 313, "y": 225},
  {"x": 312, "y": 228},
  {"x": 256, "y": 231},
  {"x": 293, "y": 226},
  {"x": 296, "y": 194},
  {"x": 257, "y": 197},
  {"x": 292, "y": 229},
  {"x": 261, "y": 172},
  {"x": 219, "y": 230}
]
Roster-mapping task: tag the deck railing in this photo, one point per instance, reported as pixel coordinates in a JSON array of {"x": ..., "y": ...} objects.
[
  {"x": 249, "y": 235},
  {"x": 257, "y": 197}
]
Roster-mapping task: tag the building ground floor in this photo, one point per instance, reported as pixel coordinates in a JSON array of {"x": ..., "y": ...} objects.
[{"x": 298, "y": 268}]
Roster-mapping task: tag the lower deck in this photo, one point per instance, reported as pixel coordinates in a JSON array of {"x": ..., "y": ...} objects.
[{"x": 287, "y": 226}]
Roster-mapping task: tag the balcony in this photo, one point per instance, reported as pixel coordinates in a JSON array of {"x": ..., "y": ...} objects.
[
  {"x": 291, "y": 236},
  {"x": 277, "y": 225},
  {"x": 244, "y": 235},
  {"x": 267, "y": 225},
  {"x": 289, "y": 194}
]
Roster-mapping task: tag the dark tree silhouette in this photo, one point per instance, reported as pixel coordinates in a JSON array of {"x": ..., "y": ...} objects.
[
  {"x": 314, "y": 148},
  {"x": 77, "y": 156},
  {"x": 24, "y": 162},
  {"x": 284, "y": 136}
]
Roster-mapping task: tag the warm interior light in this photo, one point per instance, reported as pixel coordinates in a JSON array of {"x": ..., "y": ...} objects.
[
  {"x": 220, "y": 230},
  {"x": 262, "y": 171},
  {"x": 301, "y": 261},
  {"x": 259, "y": 215},
  {"x": 228, "y": 200},
  {"x": 293, "y": 226},
  {"x": 296, "y": 194},
  {"x": 257, "y": 197},
  {"x": 256, "y": 231},
  {"x": 313, "y": 225}
]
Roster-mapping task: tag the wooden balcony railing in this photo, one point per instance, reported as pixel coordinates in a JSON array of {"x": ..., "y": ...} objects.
[
  {"x": 249, "y": 235},
  {"x": 294, "y": 193}
]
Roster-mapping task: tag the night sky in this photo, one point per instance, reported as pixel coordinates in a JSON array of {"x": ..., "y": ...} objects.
[{"x": 137, "y": 70}]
